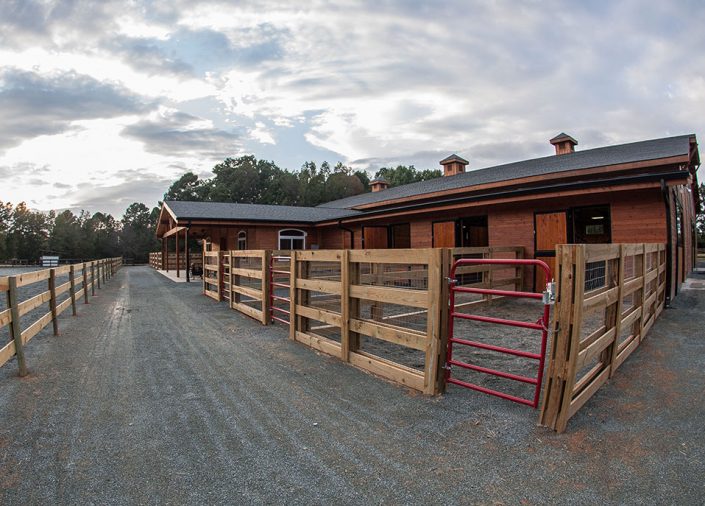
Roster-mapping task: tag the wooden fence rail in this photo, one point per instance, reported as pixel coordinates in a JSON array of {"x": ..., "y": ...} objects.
[
  {"x": 212, "y": 274},
  {"x": 609, "y": 296},
  {"x": 155, "y": 260},
  {"x": 85, "y": 275}
]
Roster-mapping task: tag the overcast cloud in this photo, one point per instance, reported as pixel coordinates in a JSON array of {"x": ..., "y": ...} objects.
[{"x": 95, "y": 90}]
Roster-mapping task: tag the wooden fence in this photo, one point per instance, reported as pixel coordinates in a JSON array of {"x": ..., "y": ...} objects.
[
  {"x": 155, "y": 260},
  {"x": 608, "y": 298},
  {"x": 213, "y": 275},
  {"x": 87, "y": 276},
  {"x": 248, "y": 283},
  {"x": 341, "y": 299}
]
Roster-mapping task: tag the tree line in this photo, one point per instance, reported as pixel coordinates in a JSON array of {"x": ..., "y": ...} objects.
[{"x": 26, "y": 234}]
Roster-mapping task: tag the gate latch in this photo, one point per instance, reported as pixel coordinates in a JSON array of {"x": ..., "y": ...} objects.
[{"x": 549, "y": 296}]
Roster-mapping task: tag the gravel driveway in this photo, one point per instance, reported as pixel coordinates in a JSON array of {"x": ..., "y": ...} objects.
[{"x": 155, "y": 394}]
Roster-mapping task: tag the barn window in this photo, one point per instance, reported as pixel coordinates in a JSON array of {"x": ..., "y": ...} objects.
[
  {"x": 400, "y": 235},
  {"x": 242, "y": 240},
  {"x": 592, "y": 225},
  {"x": 291, "y": 238}
]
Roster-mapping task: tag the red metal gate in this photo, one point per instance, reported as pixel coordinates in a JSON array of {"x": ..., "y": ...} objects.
[
  {"x": 276, "y": 280},
  {"x": 540, "y": 325}
]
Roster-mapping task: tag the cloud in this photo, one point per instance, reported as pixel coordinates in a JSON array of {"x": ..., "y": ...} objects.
[
  {"x": 33, "y": 104},
  {"x": 174, "y": 133},
  {"x": 114, "y": 199}
]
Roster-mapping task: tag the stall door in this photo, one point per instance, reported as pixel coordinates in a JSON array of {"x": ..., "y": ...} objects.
[
  {"x": 550, "y": 229},
  {"x": 444, "y": 234},
  {"x": 375, "y": 237}
]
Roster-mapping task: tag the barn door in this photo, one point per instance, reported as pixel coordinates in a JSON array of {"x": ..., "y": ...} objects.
[
  {"x": 375, "y": 238},
  {"x": 444, "y": 234},
  {"x": 550, "y": 229}
]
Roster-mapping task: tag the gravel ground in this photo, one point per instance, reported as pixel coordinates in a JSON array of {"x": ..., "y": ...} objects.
[{"x": 155, "y": 394}]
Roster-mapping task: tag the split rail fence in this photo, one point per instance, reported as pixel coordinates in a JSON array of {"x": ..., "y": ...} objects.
[
  {"x": 83, "y": 279},
  {"x": 609, "y": 296}
]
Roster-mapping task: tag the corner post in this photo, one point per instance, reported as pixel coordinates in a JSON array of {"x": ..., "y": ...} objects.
[
  {"x": 345, "y": 305},
  {"x": 266, "y": 286},
  {"x": 85, "y": 283}
]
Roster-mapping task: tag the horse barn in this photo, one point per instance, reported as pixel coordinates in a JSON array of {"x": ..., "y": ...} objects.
[{"x": 615, "y": 226}]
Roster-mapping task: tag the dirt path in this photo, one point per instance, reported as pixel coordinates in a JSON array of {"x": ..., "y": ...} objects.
[{"x": 156, "y": 394}]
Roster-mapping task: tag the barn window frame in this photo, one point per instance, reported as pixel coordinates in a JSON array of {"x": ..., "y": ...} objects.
[{"x": 289, "y": 239}]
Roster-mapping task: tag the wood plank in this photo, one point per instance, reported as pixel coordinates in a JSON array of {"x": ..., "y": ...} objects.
[
  {"x": 320, "y": 343},
  {"x": 389, "y": 370},
  {"x": 631, "y": 317},
  {"x": 320, "y": 315},
  {"x": 601, "y": 300},
  {"x": 212, "y": 294},
  {"x": 601, "y": 252},
  {"x": 4, "y": 283},
  {"x": 318, "y": 255},
  {"x": 61, "y": 307},
  {"x": 390, "y": 333},
  {"x": 63, "y": 288},
  {"x": 36, "y": 327},
  {"x": 5, "y": 317},
  {"x": 64, "y": 269},
  {"x": 345, "y": 316},
  {"x": 389, "y": 256},
  {"x": 246, "y": 273},
  {"x": 588, "y": 354},
  {"x": 253, "y": 293},
  {"x": 248, "y": 253},
  {"x": 632, "y": 285},
  {"x": 247, "y": 310},
  {"x": 7, "y": 352},
  {"x": 624, "y": 354},
  {"x": 28, "y": 278},
  {"x": 319, "y": 285},
  {"x": 588, "y": 392},
  {"x": 36, "y": 301},
  {"x": 413, "y": 298},
  {"x": 433, "y": 329}
]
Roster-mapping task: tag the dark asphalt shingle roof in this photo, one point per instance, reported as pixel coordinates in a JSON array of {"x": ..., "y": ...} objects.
[
  {"x": 598, "y": 157},
  {"x": 185, "y": 210}
]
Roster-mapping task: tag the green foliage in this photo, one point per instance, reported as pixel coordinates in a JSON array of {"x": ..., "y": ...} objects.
[
  {"x": 137, "y": 237},
  {"x": 404, "y": 175},
  {"x": 187, "y": 187}
]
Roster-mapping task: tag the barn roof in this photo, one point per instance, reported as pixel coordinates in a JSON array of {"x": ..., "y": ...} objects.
[
  {"x": 186, "y": 210},
  {"x": 584, "y": 159}
]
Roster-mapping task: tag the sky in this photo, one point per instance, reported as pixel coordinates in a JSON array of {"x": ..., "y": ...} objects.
[{"x": 106, "y": 103}]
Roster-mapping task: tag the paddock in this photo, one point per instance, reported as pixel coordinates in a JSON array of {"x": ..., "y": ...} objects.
[{"x": 387, "y": 312}]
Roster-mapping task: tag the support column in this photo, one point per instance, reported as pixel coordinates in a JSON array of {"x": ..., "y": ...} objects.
[
  {"x": 166, "y": 251},
  {"x": 188, "y": 258},
  {"x": 176, "y": 236}
]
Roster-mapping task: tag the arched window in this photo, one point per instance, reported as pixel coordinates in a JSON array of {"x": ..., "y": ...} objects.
[
  {"x": 242, "y": 240},
  {"x": 291, "y": 238}
]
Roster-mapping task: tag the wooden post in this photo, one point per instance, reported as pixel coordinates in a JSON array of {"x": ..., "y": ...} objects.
[
  {"x": 266, "y": 287},
  {"x": 72, "y": 280},
  {"x": 52, "y": 300},
  {"x": 433, "y": 320},
  {"x": 618, "y": 308},
  {"x": 565, "y": 341},
  {"x": 188, "y": 259},
  {"x": 644, "y": 293},
  {"x": 93, "y": 278},
  {"x": 292, "y": 296},
  {"x": 345, "y": 305},
  {"x": 166, "y": 254},
  {"x": 85, "y": 283},
  {"x": 447, "y": 263},
  {"x": 97, "y": 268},
  {"x": 15, "y": 327},
  {"x": 354, "y": 303},
  {"x": 176, "y": 238}
]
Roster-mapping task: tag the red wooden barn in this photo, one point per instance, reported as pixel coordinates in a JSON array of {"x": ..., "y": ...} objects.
[{"x": 630, "y": 193}]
